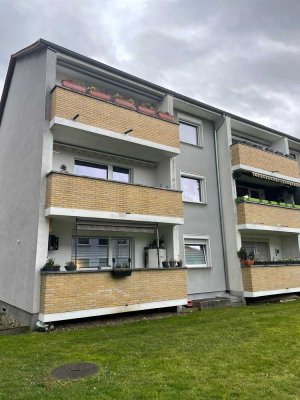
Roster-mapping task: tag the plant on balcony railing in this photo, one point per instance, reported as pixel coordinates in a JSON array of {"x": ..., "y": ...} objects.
[
  {"x": 50, "y": 265},
  {"x": 78, "y": 86},
  {"x": 120, "y": 270},
  {"x": 123, "y": 101},
  {"x": 146, "y": 108},
  {"x": 245, "y": 259},
  {"x": 246, "y": 199},
  {"x": 267, "y": 263},
  {"x": 70, "y": 266},
  {"x": 98, "y": 93}
]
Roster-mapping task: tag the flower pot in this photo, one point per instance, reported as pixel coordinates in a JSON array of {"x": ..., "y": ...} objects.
[
  {"x": 146, "y": 110},
  {"x": 179, "y": 264},
  {"x": 165, "y": 264},
  {"x": 172, "y": 264},
  {"x": 124, "y": 103},
  {"x": 99, "y": 94},
  {"x": 247, "y": 263},
  {"x": 74, "y": 86},
  {"x": 121, "y": 272},
  {"x": 56, "y": 268},
  {"x": 70, "y": 267},
  {"x": 166, "y": 116}
]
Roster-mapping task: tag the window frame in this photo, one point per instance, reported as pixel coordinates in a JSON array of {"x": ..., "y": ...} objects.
[
  {"x": 202, "y": 185},
  {"x": 109, "y": 170},
  {"x": 187, "y": 120},
  {"x": 198, "y": 240}
]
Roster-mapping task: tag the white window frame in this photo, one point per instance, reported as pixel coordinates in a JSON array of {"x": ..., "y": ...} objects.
[
  {"x": 109, "y": 167},
  {"x": 203, "y": 191},
  {"x": 186, "y": 119},
  {"x": 198, "y": 239}
]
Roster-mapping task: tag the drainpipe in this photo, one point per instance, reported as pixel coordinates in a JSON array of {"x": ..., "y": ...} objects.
[{"x": 224, "y": 250}]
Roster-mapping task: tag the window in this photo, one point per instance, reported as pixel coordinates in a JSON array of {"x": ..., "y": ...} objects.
[
  {"x": 121, "y": 251},
  {"x": 120, "y": 174},
  {"x": 90, "y": 252},
  {"x": 90, "y": 169},
  {"x": 83, "y": 241},
  {"x": 188, "y": 133},
  {"x": 196, "y": 252},
  {"x": 260, "y": 250},
  {"x": 250, "y": 192},
  {"x": 193, "y": 189}
]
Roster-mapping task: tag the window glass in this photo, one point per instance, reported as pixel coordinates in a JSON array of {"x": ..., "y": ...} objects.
[
  {"x": 261, "y": 250},
  {"x": 91, "y": 252},
  {"x": 195, "y": 254},
  {"x": 89, "y": 169},
  {"x": 120, "y": 174},
  {"x": 188, "y": 133},
  {"x": 191, "y": 188},
  {"x": 83, "y": 241},
  {"x": 83, "y": 262}
]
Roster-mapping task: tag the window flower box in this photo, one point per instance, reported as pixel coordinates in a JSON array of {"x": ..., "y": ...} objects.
[
  {"x": 122, "y": 101},
  {"x": 166, "y": 116},
  {"x": 146, "y": 110},
  {"x": 121, "y": 272},
  {"x": 78, "y": 87},
  {"x": 99, "y": 94}
]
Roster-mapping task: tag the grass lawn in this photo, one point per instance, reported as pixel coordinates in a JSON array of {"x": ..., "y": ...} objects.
[{"x": 235, "y": 353}]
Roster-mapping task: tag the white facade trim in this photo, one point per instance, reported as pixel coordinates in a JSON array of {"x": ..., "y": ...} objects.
[
  {"x": 111, "y": 134},
  {"x": 77, "y": 212},
  {"x": 110, "y": 310},
  {"x": 269, "y": 228},
  {"x": 265, "y": 172},
  {"x": 271, "y": 292}
]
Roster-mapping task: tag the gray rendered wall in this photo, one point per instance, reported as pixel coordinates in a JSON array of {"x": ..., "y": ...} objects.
[
  {"x": 229, "y": 210},
  {"x": 200, "y": 219},
  {"x": 21, "y": 144}
]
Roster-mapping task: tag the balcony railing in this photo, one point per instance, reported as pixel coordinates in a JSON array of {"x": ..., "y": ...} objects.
[
  {"x": 66, "y": 295},
  {"x": 253, "y": 211},
  {"x": 112, "y": 199},
  {"x": 112, "y": 117},
  {"x": 242, "y": 154},
  {"x": 263, "y": 280}
]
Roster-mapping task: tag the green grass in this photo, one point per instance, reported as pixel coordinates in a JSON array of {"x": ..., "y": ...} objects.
[{"x": 236, "y": 353}]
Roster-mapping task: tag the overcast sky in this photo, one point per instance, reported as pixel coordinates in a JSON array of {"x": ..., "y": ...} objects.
[{"x": 239, "y": 55}]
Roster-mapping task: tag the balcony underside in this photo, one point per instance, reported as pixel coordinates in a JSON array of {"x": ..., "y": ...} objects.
[{"x": 86, "y": 136}]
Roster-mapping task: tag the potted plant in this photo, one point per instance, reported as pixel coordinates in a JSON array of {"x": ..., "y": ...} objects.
[
  {"x": 172, "y": 263},
  {"x": 56, "y": 267},
  {"x": 245, "y": 259},
  {"x": 146, "y": 108},
  {"x": 179, "y": 263},
  {"x": 121, "y": 270},
  {"x": 98, "y": 93},
  {"x": 165, "y": 115},
  {"x": 48, "y": 266},
  {"x": 70, "y": 266},
  {"x": 123, "y": 101},
  {"x": 78, "y": 86},
  {"x": 165, "y": 263}
]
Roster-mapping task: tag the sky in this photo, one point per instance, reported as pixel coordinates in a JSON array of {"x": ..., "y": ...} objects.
[{"x": 242, "y": 56}]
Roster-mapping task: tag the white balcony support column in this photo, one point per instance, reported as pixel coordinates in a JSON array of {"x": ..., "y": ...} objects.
[
  {"x": 166, "y": 105},
  {"x": 281, "y": 145}
]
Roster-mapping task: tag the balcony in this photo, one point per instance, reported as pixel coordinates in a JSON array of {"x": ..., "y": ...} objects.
[
  {"x": 67, "y": 295},
  {"x": 282, "y": 217},
  {"x": 252, "y": 157},
  {"x": 73, "y": 195},
  {"x": 268, "y": 280},
  {"x": 101, "y": 125}
]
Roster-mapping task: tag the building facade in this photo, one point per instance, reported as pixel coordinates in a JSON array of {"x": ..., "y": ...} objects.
[{"x": 118, "y": 174}]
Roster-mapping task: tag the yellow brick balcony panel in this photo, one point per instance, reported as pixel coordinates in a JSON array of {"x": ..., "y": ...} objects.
[
  {"x": 261, "y": 214},
  {"x": 245, "y": 155},
  {"x": 107, "y": 115},
  {"x": 71, "y": 292},
  {"x": 84, "y": 193},
  {"x": 271, "y": 278}
]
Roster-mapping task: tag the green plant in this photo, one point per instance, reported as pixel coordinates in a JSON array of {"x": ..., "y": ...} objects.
[
  {"x": 148, "y": 105},
  {"x": 119, "y": 96},
  {"x": 70, "y": 266},
  {"x": 242, "y": 253}
]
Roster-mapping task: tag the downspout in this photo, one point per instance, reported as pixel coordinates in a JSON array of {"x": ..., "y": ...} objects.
[{"x": 224, "y": 250}]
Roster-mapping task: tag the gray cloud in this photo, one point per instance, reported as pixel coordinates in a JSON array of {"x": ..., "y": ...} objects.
[{"x": 239, "y": 55}]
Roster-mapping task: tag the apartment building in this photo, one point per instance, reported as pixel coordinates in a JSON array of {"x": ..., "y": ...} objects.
[{"x": 124, "y": 177}]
